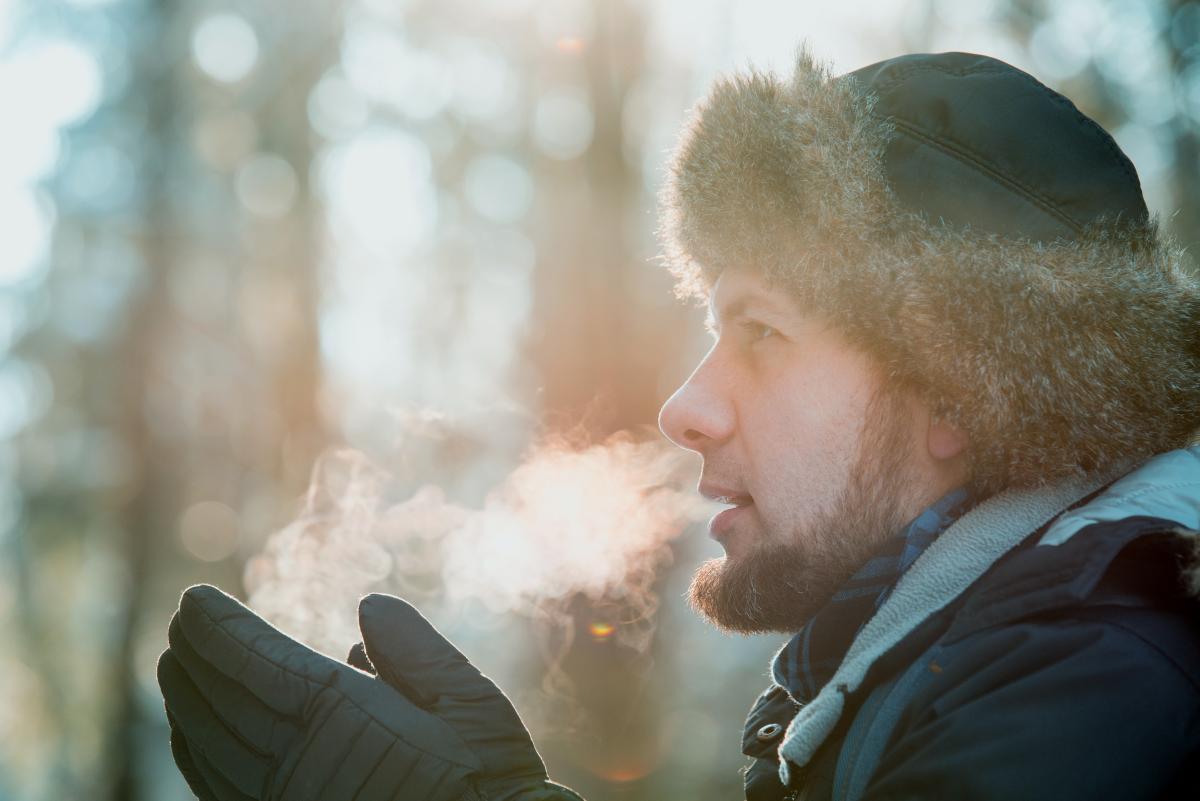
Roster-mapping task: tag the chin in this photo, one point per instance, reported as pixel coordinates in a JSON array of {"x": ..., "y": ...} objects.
[
  {"x": 764, "y": 585},
  {"x": 738, "y": 544}
]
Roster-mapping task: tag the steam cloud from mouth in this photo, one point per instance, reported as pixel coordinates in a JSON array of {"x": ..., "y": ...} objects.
[{"x": 568, "y": 521}]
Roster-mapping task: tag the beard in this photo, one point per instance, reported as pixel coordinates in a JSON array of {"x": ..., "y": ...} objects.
[{"x": 778, "y": 587}]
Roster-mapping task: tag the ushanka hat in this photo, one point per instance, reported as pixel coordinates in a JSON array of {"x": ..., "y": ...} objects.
[{"x": 970, "y": 228}]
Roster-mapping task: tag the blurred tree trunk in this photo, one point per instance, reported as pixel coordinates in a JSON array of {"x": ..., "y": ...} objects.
[
  {"x": 253, "y": 428},
  {"x": 598, "y": 355},
  {"x": 146, "y": 514},
  {"x": 597, "y": 352}
]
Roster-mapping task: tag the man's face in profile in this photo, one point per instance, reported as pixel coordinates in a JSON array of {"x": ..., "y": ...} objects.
[{"x": 802, "y": 440}]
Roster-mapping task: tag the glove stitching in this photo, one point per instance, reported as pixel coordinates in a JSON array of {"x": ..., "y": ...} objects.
[
  {"x": 203, "y": 693},
  {"x": 215, "y": 778},
  {"x": 186, "y": 763},
  {"x": 380, "y": 761},
  {"x": 312, "y": 739},
  {"x": 216, "y": 626}
]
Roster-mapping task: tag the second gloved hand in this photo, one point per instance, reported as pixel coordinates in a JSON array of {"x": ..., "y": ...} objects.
[
  {"x": 257, "y": 716},
  {"x": 404, "y": 649}
]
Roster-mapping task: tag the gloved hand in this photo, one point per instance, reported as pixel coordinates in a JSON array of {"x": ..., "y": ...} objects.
[
  {"x": 256, "y": 716},
  {"x": 408, "y": 653}
]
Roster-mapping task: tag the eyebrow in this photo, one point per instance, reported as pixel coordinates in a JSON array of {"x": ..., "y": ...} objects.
[{"x": 742, "y": 307}]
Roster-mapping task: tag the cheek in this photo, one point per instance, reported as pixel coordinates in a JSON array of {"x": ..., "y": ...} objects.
[
  {"x": 806, "y": 428},
  {"x": 811, "y": 411}
]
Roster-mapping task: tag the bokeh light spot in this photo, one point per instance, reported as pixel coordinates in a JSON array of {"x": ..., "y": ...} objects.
[
  {"x": 335, "y": 107},
  {"x": 225, "y": 47},
  {"x": 485, "y": 86},
  {"x": 499, "y": 188},
  {"x": 379, "y": 191},
  {"x": 209, "y": 531},
  {"x": 1145, "y": 147},
  {"x": 1059, "y": 51},
  {"x": 27, "y": 224},
  {"x": 101, "y": 176},
  {"x": 54, "y": 83},
  {"x": 26, "y": 392},
  {"x": 266, "y": 185},
  {"x": 32, "y": 147},
  {"x": 1187, "y": 89},
  {"x": 562, "y": 124}
]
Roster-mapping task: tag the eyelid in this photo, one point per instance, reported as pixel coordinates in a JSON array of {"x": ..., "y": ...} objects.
[{"x": 754, "y": 327}]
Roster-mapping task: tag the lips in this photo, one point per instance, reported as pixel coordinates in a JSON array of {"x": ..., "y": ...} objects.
[
  {"x": 726, "y": 495},
  {"x": 740, "y": 504}
]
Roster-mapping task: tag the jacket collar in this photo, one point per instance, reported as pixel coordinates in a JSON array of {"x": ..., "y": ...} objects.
[
  {"x": 1166, "y": 487},
  {"x": 1059, "y": 570},
  {"x": 962, "y": 554},
  {"x": 1063, "y": 566}
]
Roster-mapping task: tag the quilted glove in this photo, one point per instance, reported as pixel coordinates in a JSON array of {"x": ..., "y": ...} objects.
[
  {"x": 256, "y": 716},
  {"x": 407, "y": 653}
]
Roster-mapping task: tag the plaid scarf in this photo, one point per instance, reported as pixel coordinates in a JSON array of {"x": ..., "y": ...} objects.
[{"x": 810, "y": 658}]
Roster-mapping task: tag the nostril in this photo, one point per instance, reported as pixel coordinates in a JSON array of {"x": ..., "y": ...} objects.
[{"x": 692, "y": 435}]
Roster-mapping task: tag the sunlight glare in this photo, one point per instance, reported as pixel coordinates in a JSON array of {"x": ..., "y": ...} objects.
[
  {"x": 55, "y": 83},
  {"x": 27, "y": 222}
]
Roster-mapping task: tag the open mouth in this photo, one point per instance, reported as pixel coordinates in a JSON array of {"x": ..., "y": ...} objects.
[{"x": 722, "y": 524}]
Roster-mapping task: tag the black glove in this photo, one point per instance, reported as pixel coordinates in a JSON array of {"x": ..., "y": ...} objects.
[
  {"x": 407, "y": 652},
  {"x": 256, "y": 716}
]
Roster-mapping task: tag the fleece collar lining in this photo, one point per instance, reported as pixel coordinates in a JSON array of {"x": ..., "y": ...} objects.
[{"x": 951, "y": 564}]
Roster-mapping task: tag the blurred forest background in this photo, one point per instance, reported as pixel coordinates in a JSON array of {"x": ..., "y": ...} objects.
[{"x": 237, "y": 235}]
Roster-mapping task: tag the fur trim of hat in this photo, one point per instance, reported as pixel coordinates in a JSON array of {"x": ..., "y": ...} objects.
[{"x": 1056, "y": 358}]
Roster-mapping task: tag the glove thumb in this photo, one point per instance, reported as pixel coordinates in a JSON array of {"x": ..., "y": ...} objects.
[
  {"x": 412, "y": 656},
  {"x": 358, "y": 658}
]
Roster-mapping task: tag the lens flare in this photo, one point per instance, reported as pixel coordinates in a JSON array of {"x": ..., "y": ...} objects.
[
  {"x": 572, "y": 45},
  {"x": 601, "y": 631}
]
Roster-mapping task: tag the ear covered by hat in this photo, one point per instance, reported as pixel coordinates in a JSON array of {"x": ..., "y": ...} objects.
[{"x": 971, "y": 229}]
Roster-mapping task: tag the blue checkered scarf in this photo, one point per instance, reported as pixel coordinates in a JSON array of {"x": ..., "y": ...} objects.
[{"x": 810, "y": 658}]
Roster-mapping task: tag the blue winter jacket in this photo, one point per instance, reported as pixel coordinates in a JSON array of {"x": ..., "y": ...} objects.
[{"x": 1061, "y": 663}]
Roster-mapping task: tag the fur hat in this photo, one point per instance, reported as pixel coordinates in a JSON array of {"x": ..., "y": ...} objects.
[{"x": 971, "y": 229}]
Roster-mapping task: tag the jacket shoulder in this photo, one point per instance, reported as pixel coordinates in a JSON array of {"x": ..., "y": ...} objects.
[
  {"x": 1138, "y": 561},
  {"x": 1068, "y": 671},
  {"x": 1092, "y": 703}
]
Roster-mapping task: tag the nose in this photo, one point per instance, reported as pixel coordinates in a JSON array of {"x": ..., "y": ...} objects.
[{"x": 700, "y": 413}]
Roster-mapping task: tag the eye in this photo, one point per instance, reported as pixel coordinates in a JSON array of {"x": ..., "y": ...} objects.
[{"x": 756, "y": 331}]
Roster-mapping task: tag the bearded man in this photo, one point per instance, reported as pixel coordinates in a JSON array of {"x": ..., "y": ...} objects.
[{"x": 955, "y": 375}]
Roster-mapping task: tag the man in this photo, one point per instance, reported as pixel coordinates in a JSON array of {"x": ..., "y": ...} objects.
[{"x": 955, "y": 374}]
